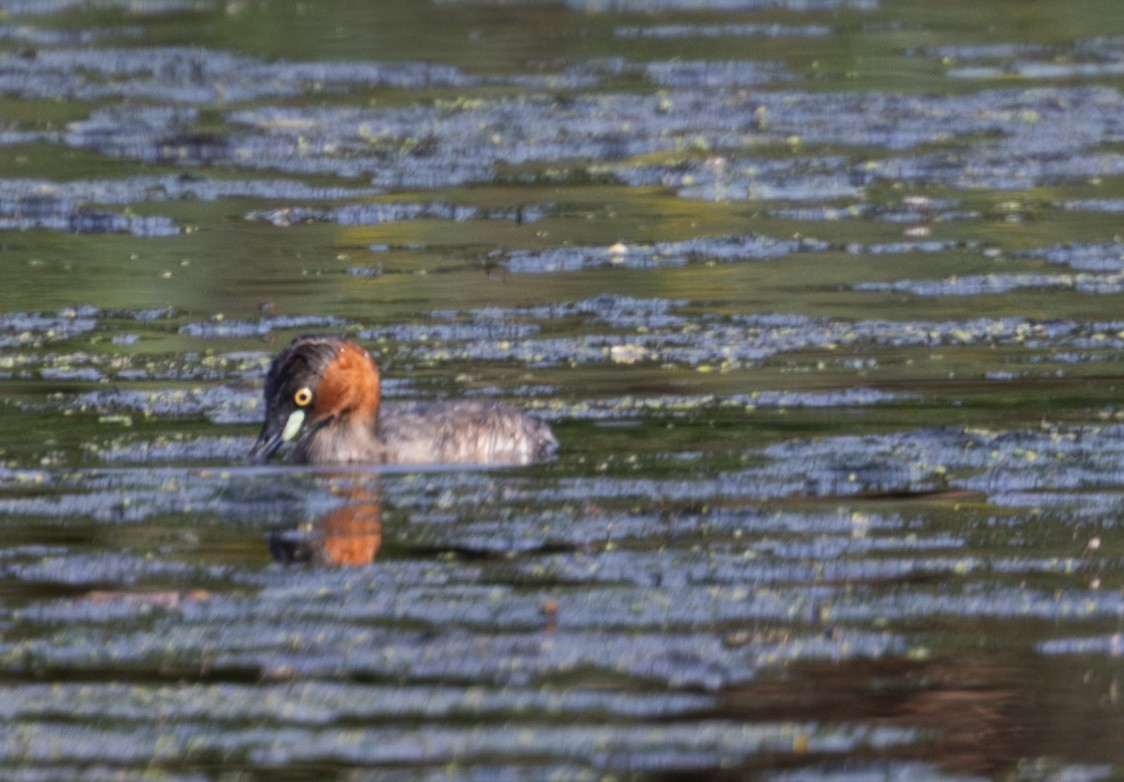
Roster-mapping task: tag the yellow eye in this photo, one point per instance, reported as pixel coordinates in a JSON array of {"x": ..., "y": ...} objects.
[{"x": 303, "y": 397}]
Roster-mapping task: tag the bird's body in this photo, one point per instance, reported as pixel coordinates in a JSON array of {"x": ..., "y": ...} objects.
[{"x": 324, "y": 392}]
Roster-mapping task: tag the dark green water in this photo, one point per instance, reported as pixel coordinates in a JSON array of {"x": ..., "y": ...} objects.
[{"x": 822, "y": 298}]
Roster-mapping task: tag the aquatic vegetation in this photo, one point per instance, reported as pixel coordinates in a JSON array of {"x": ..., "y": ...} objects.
[{"x": 820, "y": 298}]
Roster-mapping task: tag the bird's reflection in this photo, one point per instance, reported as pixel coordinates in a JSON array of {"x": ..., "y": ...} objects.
[{"x": 348, "y": 535}]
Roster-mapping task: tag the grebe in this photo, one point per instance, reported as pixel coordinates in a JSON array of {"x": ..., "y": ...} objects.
[{"x": 324, "y": 392}]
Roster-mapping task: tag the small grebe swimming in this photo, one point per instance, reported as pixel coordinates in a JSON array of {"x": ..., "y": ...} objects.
[{"x": 324, "y": 392}]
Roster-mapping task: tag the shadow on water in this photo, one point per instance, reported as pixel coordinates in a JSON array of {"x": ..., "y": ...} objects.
[{"x": 980, "y": 717}]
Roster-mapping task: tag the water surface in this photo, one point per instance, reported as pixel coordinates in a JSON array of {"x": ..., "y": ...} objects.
[{"x": 822, "y": 299}]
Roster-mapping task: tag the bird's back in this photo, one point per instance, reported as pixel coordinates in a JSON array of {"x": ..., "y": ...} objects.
[{"x": 472, "y": 431}]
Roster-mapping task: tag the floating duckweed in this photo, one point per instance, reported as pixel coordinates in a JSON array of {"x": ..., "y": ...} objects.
[{"x": 773, "y": 479}]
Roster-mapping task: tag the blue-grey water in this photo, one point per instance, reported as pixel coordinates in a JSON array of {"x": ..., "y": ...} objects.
[{"x": 822, "y": 299}]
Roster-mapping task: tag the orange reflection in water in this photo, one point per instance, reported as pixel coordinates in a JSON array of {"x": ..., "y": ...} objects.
[{"x": 348, "y": 535}]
